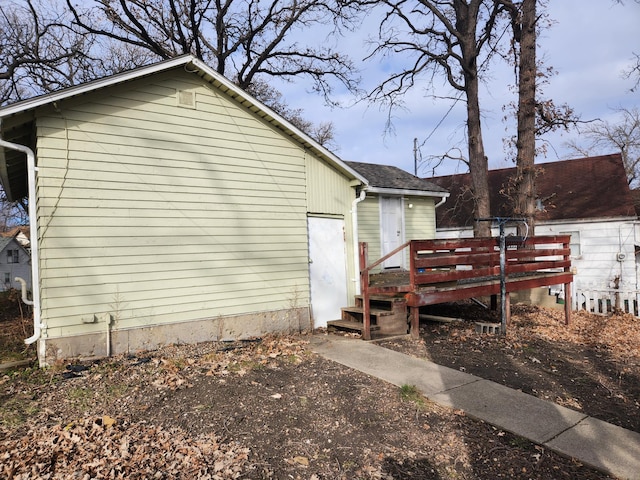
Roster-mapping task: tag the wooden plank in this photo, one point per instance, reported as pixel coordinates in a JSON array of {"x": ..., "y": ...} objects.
[
  {"x": 375, "y": 312},
  {"x": 461, "y": 292},
  {"x": 536, "y": 266},
  {"x": 453, "y": 275},
  {"x": 464, "y": 258},
  {"x": 542, "y": 252},
  {"x": 350, "y": 325}
]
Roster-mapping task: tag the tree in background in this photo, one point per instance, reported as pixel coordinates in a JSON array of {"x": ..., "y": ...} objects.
[
  {"x": 524, "y": 22},
  {"x": 12, "y": 213},
  {"x": 46, "y": 46},
  {"x": 242, "y": 39},
  {"x": 603, "y": 137},
  {"x": 38, "y": 51},
  {"x": 448, "y": 38}
]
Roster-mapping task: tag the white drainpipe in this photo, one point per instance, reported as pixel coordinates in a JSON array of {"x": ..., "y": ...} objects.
[
  {"x": 33, "y": 226},
  {"x": 356, "y": 249},
  {"x": 444, "y": 199}
]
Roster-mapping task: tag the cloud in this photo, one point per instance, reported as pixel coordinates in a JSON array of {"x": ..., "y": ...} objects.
[{"x": 589, "y": 45}]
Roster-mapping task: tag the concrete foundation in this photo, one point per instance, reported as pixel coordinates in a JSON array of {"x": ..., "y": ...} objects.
[
  {"x": 536, "y": 296},
  {"x": 150, "y": 337}
]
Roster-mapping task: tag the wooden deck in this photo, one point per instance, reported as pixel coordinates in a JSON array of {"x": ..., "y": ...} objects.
[{"x": 448, "y": 270}]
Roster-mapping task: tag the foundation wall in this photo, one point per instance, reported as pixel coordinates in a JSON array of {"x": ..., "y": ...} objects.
[{"x": 131, "y": 340}]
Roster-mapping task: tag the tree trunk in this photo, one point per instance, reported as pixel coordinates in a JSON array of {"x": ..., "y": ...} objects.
[
  {"x": 525, "y": 195},
  {"x": 467, "y": 21},
  {"x": 478, "y": 163}
]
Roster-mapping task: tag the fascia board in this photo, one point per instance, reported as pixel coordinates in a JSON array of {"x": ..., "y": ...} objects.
[{"x": 412, "y": 193}]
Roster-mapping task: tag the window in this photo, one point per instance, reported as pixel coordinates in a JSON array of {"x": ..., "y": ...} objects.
[
  {"x": 12, "y": 256},
  {"x": 7, "y": 278}
]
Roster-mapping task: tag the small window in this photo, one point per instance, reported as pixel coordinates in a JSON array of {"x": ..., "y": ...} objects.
[
  {"x": 12, "y": 256},
  {"x": 7, "y": 278}
]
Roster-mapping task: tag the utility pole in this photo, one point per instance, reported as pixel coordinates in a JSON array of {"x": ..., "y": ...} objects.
[{"x": 415, "y": 157}]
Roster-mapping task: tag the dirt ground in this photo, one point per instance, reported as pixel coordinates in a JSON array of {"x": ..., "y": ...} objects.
[
  {"x": 270, "y": 408},
  {"x": 592, "y": 366}
]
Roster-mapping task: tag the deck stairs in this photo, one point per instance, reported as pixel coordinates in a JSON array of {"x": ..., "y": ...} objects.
[{"x": 388, "y": 315}]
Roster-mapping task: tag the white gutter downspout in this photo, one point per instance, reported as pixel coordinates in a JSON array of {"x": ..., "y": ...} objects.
[
  {"x": 444, "y": 199},
  {"x": 33, "y": 226},
  {"x": 356, "y": 249}
]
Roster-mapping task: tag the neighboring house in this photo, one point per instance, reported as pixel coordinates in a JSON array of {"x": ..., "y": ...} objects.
[
  {"x": 398, "y": 207},
  {"x": 173, "y": 207},
  {"x": 21, "y": 234},
  {"x": 588, "y": 198},
  {"x": 14, "y": 262}
]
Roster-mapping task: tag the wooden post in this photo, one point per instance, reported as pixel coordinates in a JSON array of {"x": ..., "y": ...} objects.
[
  {"x": 364, "y": 288},
  {"x": 414, "y": 313},
  {"x": 507, "y": 311},
  {"x": 567, "y": 304}
]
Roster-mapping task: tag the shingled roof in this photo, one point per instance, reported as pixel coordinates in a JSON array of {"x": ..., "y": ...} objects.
[
  {"x": 584, "y": 188},
  {"x": 394, "y": 178}
]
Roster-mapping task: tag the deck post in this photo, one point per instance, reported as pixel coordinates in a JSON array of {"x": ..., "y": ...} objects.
[
  {"x": 414, "y": 313},
  {"x": 507, "y": 313},
  {"x": 567, "y": 304},
  {"x": 364, "y": 289}
]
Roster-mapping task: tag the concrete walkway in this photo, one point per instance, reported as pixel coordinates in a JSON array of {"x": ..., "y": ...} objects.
[{"x": 609, "y": 448}]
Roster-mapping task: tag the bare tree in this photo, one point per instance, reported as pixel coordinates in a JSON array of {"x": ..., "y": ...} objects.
[
  {"x": 524, "y": 21},
  {"x": 49, "y": 46},
  {"x": 633, "y": 72},
  {"x": 12, "y": 213},
  {"x": 603, "y": 137},
  {"x": 36, "y": 51},
  {"x": 323, "y": 132},
  {"x": 243, "y": 40},
  {"x": 448, "y": 38}
]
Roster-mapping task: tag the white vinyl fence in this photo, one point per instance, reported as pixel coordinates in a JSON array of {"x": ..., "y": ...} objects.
[{"x": 605, "y": 302}]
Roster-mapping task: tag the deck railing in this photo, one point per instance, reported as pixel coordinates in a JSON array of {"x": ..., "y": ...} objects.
[
  {"x": 443, "y": 261},
  {"x": 446, "y": 270}
]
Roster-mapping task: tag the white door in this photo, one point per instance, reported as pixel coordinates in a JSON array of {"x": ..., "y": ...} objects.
[
  {"x": 391, "y": 226},
  {"x": 327, "y": 269}
]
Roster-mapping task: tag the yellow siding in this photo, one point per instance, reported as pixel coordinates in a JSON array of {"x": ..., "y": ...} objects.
[
  {"x": 369, "y": 225},
  {"x": 159, "y": 213},
  {"x": 419, "y": 222},
  {"x": 329, "y": 193}
]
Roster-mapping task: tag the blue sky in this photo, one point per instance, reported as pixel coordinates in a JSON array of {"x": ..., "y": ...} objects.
[{"x": 589, "y": 45}]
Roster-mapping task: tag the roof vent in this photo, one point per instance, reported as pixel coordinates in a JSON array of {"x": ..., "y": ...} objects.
[{"x": 186, "y": 99}]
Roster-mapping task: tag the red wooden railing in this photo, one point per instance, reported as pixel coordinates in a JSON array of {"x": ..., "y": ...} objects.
[{"x": 448, "y": 270}]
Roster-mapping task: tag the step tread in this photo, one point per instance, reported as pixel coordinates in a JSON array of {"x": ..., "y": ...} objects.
[
  {"x": 383, "y": 298},
  {"x": 377, "y": 312},
  {"x": 350, "y": 325}
]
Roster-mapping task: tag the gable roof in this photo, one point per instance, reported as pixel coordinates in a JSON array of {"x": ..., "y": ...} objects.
[
  {"x": 20, "y": 233},
  {"x": 4, "y": 241},
  {"x": 389, "y": 179},
  {"x": 579, "y": 189},
  {"x": 8, "y": 241},
  {"x": 23, "y": 135},
  {"x": 17, "y": 230}
]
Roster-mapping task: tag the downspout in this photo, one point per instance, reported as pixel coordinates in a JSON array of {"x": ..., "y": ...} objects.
[
  {"x": 444, "y": 199},
  {"x": 354, "y": 219},
  {"x": 33, "y": 226}
]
